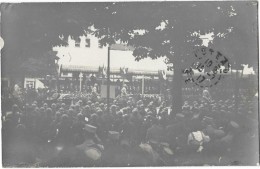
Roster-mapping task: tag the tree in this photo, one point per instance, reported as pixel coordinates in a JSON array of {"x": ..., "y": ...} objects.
[
  {"x": 30, "y": 31},
  {"x": 233, "y": 25},
  {"x": 155, "y": 29}
]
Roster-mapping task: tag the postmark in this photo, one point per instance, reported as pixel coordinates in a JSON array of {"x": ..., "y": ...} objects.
[{"x": 208, "y": 67}]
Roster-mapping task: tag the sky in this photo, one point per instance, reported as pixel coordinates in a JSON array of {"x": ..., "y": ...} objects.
[{"x": 95, "y": 56}]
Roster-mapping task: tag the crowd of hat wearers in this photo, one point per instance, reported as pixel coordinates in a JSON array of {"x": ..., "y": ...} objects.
[{"x": 136, "y": 132}]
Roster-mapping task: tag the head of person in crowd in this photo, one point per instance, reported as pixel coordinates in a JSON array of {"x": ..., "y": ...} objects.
[
  {"x": 62, "y": 110},
  {"x": 77, "y": 108},
  {"x": 57, "y": 116},
  {"x": 96, "y": 104},
  {"x": 15, "y": 108},
  {"x": 113, "y": 109},
  {"x": 90, "y": 132},
  {"x": 21, "y": 130},
  {"x": 34, "y": 106},
  {"x": 126, "y": 118},
  {"x": 58, "y": 106},
  {"x": 63, "y": 105},
  {"x": 92, "y": 106},
  {"x": 80, "y": 117},
  {"x": 71, "y": 112},
  {"x": 101, "y": 105},
  {"x": 87, "y": 109},
  {"x": 93, "y": 118},
  {"x": 119, "y": 115},
  {"x": 42, "y": 110},
  {"x": 45, "y": 106},
  {"x": 80, "y": 102},
  {"x": 49, "y": 112},
  {"x": 64, "y": 119},
  {"x": 141, "y": 108},
  {"x": 27, "y": 106},
  {"x": 99, "y": 111},
  {"x": 89, "y": 103},
  {"x": 164, "y": 112},
  {"x": 139, "y": 102},
  {"x": 53, "y": 107},
  {"x": 129, "y": 103}
]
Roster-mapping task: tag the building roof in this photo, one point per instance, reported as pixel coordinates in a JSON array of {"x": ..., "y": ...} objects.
[{"x": 91, "y": 69}]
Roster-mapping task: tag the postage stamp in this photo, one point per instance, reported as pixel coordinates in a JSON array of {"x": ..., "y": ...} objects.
[{"x": 208, "y": 68}]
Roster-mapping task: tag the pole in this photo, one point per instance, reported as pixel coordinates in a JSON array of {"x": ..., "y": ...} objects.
[
  {"x": 143, "y": 85},
  {"x": 80, "y": 81},
  {"x": 108, "y": 78}
]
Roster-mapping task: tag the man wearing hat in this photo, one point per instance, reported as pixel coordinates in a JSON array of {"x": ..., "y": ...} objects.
[
  {"x": 88, "y": 154},
  {"x": 177, "y": 132},
  {"x": 155, "y": 134}
]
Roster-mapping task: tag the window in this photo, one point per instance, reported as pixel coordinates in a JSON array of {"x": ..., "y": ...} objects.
[
  {"x": 99, "y": 44},
  {"x": 87, "y": 43}
]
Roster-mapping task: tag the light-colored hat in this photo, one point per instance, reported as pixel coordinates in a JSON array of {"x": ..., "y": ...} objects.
[
  {"x": 93, "y": 153},
  {"x": 90, "y": 128}
]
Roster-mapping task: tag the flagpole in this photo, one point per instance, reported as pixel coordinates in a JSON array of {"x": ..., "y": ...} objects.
[
  {"x": 80, "y": 81},
  {"x": 108, "y": 78},
  {"x": 143, "y": 85}
]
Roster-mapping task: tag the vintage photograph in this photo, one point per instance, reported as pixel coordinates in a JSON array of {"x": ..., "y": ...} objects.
[{"x": 129, "y": 84}]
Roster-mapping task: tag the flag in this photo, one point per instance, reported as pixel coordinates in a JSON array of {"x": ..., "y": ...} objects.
[
  {"x": 123, "y": 71},
  {"x": 103, "y": 71},
  {"x": 162, "y": 74}
]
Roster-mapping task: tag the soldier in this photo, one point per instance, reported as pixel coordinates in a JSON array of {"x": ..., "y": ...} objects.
[
  {"x": 64, "y": 132},
  {"x": 176, "y": 132},
  {"x": 77, "y": 129},
  {"x": 54, "y": 107},
  {"x": 155, "y": 134},
  {"x": 89, "y": 153}
]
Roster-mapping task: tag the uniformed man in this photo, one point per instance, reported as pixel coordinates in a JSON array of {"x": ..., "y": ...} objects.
[
  {"x": 155, "y": 134},
  {"x": 88, "y": 154}
]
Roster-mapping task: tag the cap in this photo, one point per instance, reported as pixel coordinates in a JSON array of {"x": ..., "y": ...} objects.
[
  {"x": 113, "y": 135},
  {"x": 90, "y": 128},
  {"x": 219, "y": 133},
  {"x": 179, "y": 115},
  {"x": 234, "y": 124}
]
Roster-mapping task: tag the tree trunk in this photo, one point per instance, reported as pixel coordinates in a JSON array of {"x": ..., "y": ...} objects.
[{"x": 177, "y": 86}]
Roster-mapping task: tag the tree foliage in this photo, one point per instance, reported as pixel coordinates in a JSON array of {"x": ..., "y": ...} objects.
[
  {"x": 155, "y": 29},
  {"x": 30, "y": 29}
]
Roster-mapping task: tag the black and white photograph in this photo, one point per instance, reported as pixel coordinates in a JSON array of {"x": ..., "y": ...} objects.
[{"x": 129, "y": 84}]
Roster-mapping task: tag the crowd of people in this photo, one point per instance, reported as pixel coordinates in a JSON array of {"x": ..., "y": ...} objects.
[{"x": 132, "y": 131}]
